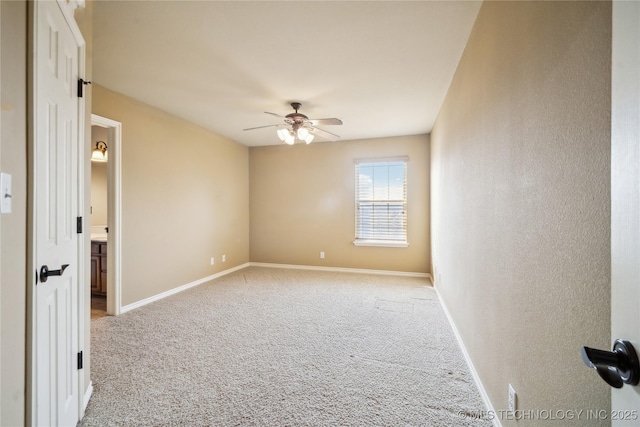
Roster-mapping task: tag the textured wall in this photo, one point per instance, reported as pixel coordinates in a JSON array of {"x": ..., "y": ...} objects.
[
  {"x": 302, "y": 202},
  {"x": 521, "y": 201},
  {"x": 185, "y": 198},
  {"x": 13, "y": 226}
]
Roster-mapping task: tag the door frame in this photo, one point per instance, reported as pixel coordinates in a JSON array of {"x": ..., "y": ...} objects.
[
  {"x": 625, "y": 197},
  {"x": 114, "y": 212},
  {"x": 31, "y": 402},
  {"x": 0, "y": 214}
]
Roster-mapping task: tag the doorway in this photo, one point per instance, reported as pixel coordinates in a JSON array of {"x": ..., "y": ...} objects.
[
  {"x": 106, "y": 217},
  {"x": 99, "y": 219}
]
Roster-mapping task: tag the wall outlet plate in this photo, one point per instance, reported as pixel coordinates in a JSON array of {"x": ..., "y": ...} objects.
[
  {"x": 321, "y": 255},
  {"x": 224, "y": 258},
  {"x": 513, "y": 399},
  {"x": 213, "y": 261}
]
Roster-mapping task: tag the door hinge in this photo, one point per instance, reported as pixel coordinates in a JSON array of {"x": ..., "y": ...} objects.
[
  {"x": 81, "y": 83},
  {"x": 79, "y": 225},
  {"x": 80, "y": 360}
]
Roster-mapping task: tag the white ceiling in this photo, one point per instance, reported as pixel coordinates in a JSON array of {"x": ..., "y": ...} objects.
[{"x": 382, "y": 67}]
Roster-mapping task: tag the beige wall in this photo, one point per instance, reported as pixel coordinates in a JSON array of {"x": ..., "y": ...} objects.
[
  {"x": 302, "y": 202},
  {"x": 14, "y": 229},
  {"x": 98, "y": 182},
  {"x": 521, "y": 199},
  {"x": 98, "y": 194},
  {"x": 185, "y": 198}
]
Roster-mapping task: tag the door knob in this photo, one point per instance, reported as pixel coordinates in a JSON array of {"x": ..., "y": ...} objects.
[
  {"x": 45, "y": 272},
  {"x": 617, "y": 367}
]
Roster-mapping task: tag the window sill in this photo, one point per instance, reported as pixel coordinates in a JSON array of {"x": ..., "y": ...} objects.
[{"x": 381, "y": 243}]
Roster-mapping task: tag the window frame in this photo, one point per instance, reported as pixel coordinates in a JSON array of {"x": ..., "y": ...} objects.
[{"x": 381, "y": 242}]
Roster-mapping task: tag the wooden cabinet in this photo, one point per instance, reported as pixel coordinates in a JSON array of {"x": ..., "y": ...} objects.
[{"x": 98, "y": 267}]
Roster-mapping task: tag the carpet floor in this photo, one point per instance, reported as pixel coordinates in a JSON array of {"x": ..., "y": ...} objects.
[{"x": 277, "y": 347}]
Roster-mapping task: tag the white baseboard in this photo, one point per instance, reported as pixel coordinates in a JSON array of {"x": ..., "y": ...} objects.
[
  {"x": 87, "y": 395},
  {"x": 173, "y": 291},
  {"x": 341, "y": 269},
  {"x": 474, "y": 373}
]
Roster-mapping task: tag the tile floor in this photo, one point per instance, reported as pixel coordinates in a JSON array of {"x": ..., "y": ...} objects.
[{"x": 98, "y": 306}]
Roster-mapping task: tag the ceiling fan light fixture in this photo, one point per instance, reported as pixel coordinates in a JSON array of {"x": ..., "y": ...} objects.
[
  {"x": 298, "y": 127},
  {"x": 282, "y": 133},
  {"x": 290, "y": 138},
  {"x": 303, "y": 133}
]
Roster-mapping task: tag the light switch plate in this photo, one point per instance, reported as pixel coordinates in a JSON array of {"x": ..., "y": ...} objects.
[{"x": 5, "y": 193}]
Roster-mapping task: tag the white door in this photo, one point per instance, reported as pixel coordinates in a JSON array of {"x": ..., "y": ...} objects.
[
  {"x": 625, "y": 197},
  {"x": 55, "y": 190}
]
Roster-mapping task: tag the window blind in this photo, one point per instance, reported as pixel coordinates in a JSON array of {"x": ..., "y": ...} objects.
[{"x": 381, "y": 201}]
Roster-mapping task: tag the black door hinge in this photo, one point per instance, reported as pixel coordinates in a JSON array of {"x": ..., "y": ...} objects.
[
  {"x": 79, "y": 225},
  {"x": 81, "y": 83},
  {"x": 80, "y": 359}
]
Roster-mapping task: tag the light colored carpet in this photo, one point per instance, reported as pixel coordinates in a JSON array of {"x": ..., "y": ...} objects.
[{"x": 276, "y": 347}]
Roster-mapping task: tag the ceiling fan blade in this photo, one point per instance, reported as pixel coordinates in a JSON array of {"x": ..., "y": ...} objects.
[
  {"x": 332, "y": 121},
  {"x": 260, "y": 127},
  {"x": 274, "y": 114},
  {"x": 324, "y": 134}
]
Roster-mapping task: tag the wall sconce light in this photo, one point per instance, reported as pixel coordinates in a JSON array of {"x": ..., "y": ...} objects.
[{"x": 99, "y": 153}]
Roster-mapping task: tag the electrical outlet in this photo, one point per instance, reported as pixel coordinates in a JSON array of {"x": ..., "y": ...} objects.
[
  {"x": 321, "y": 255},
  {"x": 213, "y": 261},
  {"x": 224, "y": 258},
  {"x": 513, "y": 399}
]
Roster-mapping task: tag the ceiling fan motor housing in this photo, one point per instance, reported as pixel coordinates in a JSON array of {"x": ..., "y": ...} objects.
[{"x": 296, "y": 118}]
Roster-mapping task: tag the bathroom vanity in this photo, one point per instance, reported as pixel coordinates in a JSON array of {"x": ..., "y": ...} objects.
[{"x": 99, "y": 266}]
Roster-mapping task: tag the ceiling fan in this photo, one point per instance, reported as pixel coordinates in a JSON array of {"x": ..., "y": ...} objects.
[{"x": 300, "y": 127}]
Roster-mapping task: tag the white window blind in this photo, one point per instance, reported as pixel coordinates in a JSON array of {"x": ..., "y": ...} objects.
[{"x": 381, "y": 202}]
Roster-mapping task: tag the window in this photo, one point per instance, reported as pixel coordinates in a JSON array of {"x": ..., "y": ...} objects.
[{"x": 381, "y": 203}]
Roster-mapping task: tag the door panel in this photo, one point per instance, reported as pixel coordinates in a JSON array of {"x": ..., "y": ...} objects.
[
  {"x": 625, "y": 196},
  {"x": 56, "y": 144}
]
